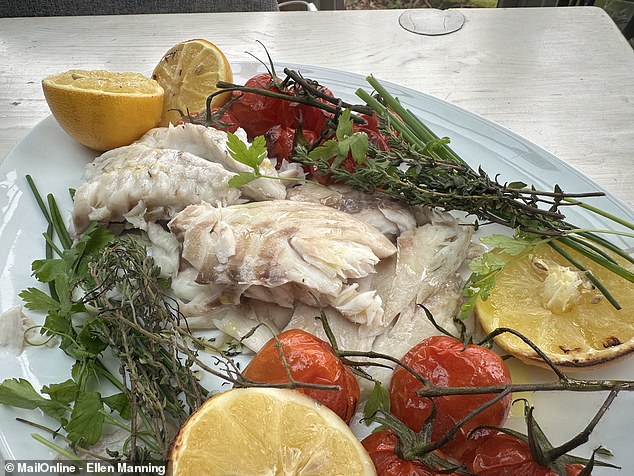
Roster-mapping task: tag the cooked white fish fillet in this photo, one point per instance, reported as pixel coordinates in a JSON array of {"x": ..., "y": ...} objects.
[
  {"x": 211, "y": 144},
  {"x": 164, "y": 248},
  {"x": 270, "y": 312},
  {"x": 274, "y": 243},
  {"x": 389, "y": 216},
  {"x": 277, "y": 242},
  {"x": 427, "y": 257},
  {"x": 413, "y": 326},
  {"x": 364, "y": 307},
  {"x": 235, "y": 324},
  {"x": 261, "y": 321},
  {"x": 12, "y": 330},
  {"x": 16, "y": 330},
  {"x": 349, "y": 335},
  {"x": 196, "y": 301},
  {"x": 152, "y": 183}
]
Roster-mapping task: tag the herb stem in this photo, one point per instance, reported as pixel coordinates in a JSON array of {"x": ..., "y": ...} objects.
[
  {"x": 598, "y": 258},
  {"x": 601, "y": 212},
  {"x": 398, "y": 125},
  {"x": 58, "y": 223},
  {"x": 62, "y": 451},
  {"x": 224, "y": 87}
]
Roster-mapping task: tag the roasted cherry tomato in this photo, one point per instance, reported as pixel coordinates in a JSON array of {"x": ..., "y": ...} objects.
[
  {"x": 311, "y": 118},
  {"x": 280, "y": 141},
  {"x": 445, "y": 361},
  {"x": 382, "y": 448},
  {"x": 310, "y": 360},
  {"x": 500, "y": 454},
  {"x": 255, "y": 113}
]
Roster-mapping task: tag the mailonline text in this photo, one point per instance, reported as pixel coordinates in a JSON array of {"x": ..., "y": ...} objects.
[{"x": 68, "y": 468}]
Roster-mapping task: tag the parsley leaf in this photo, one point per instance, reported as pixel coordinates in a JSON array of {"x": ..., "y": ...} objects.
[
  {"x": 20, "y": 393},
  {"x": 242, "y": 178},
  {"x": 508, "y": 244},
  {"x": 86, "y": 421},
  {"x": 251, "y": 155},
  {"x": 37, "y": 300},
  {"x": 64, "y": 392},
  {"x": 119, "y": 402},
  {"x": 347, "y": 143}
]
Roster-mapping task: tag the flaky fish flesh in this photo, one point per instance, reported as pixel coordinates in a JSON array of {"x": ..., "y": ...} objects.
[
  {"x": 427, "y": 257},
  {"x": 146, "y": 182},
  {"x": 211, "y": 144},
  {"x": 349, "y": 335},
  {"x": 412, "y": 325},
  {"x": 390, "y": 217},
  {"x": 274, "y": 244}
]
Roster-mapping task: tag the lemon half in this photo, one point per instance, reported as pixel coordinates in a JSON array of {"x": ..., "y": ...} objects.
[
  {"x": 102, "y": 109},
  {"x": 267, "y": 431},
  {"x": 189, "y": 72}
]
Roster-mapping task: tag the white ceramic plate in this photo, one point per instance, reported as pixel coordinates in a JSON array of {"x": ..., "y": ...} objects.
[{"x": 56, "y": 163}]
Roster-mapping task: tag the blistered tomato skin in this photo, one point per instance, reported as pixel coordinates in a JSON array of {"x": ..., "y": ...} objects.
[
  {"x": 501, "y": 454},
  {"x": 310, "y": 360},
  {"x": 381, "y": 446},
  {"x": 445, "y": 361},
  {"x": 254, "y": 113}
]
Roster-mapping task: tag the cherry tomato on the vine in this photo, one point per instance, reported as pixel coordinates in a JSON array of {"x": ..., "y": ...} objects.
[
  {"x": 446, "y": 361},
  {"x": 310, "y": 360},
  {"x": 382, "y": 448},
  {"x": 280, "y": 141},
  {"x": 501, "y": 454},
  {"x": 255, "y": 113}
]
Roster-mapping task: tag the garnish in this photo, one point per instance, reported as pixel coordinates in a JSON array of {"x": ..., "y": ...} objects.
[
  {"x": 250, "y": 155},
  {"x": 347, "y": 142}
]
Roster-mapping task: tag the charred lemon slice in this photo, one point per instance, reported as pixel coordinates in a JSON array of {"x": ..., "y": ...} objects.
[
  {"x": 552, "y": 303},
  {"x": 189, "y": 72}
]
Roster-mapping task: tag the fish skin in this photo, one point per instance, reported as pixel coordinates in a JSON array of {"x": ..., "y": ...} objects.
[{"x": 153, "y": 183}]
